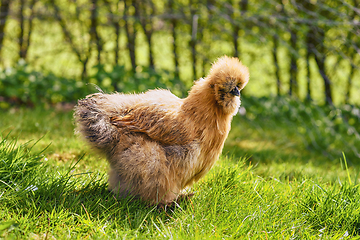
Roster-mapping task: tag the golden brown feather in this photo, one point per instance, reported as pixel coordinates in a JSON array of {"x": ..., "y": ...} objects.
[{"x": 156, "y": 143}]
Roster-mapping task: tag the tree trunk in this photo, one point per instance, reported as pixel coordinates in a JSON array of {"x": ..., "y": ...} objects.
[
  {"x": 174, "y": 37},
  {"x": 84, "y": 71},
  {"x": 308, "y": 74},
  {"x": 235, "y": 40},
  {"x": 115, "y": 23},
  {"x": 194, "y": 27},
  {"x": 321, "y": 64},
  {"x": 320, "y": 58},
  {"x": 244, "y": 6},
  {"x": 117, "y": 48},
  {"x": 151, "y": 57},
  {"x": 276, "y": 63},
  {"x": 243, "y": 9},
  {"x": 349, "y": 84},
  {"x": 24, "y": 37},
  {"x": 353, "y": 54},
  {"x": 293, "y": 90},
  {"x": 146, "y": 22},
  {"x": 130, "y": 33},
  {"x": 94, "y": 35},
  {"x": 32, "y": 4},
  {"x": 4, "y": 12},
  {"x": 176, "y": 58},
  {"x": 69, "y": 38},
  {"x": 22, "y": 30}
]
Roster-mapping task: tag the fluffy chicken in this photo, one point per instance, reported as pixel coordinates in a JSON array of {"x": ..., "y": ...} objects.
[{"x": 156, "y": 143}]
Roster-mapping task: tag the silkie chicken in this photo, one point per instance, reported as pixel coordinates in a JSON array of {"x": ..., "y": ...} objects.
[{"x": 156, "y": 143}]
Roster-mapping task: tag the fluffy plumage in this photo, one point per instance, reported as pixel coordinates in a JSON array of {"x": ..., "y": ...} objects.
[{"x": 156, "y": 143}]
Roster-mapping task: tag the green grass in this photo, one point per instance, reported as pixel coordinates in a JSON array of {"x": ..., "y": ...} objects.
[{"x": 273, "y": 181}]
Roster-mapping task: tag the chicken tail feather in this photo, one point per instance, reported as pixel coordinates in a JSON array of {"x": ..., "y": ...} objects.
[{"x": 94, "y": 124}]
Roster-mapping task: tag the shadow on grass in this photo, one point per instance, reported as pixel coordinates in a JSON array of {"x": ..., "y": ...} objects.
[{"x": 81, "y": 201}]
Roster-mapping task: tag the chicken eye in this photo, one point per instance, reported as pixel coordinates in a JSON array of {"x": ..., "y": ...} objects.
[{"x": 235, "y": 91}]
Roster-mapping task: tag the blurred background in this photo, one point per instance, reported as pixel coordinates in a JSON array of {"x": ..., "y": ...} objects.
[
  {"x": 304, "y": 91},
  {"x": 296, "y": 138},
  {"x": 50, "y": 50}
]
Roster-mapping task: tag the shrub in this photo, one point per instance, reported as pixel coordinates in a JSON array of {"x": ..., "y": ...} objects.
[
  {"x": 327, "y": 129},
  {"x": 24, "y": 87}
]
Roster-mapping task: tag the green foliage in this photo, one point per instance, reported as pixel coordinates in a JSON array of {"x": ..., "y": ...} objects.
[
  {"x": 143, "y": 78},
  {"x": 22, "y": 86},
  {"x": 328, "y": 129},
  {"x": 277, "y": 40}
]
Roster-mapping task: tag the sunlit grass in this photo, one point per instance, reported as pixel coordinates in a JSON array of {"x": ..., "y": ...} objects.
[{"x": 268, "y": 184}]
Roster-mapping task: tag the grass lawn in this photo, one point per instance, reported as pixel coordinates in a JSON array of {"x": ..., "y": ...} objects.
[{"x": 282, "y": 175}]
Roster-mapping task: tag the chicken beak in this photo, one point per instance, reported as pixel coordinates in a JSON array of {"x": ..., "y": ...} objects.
[{"x": 235, "y": 91}]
